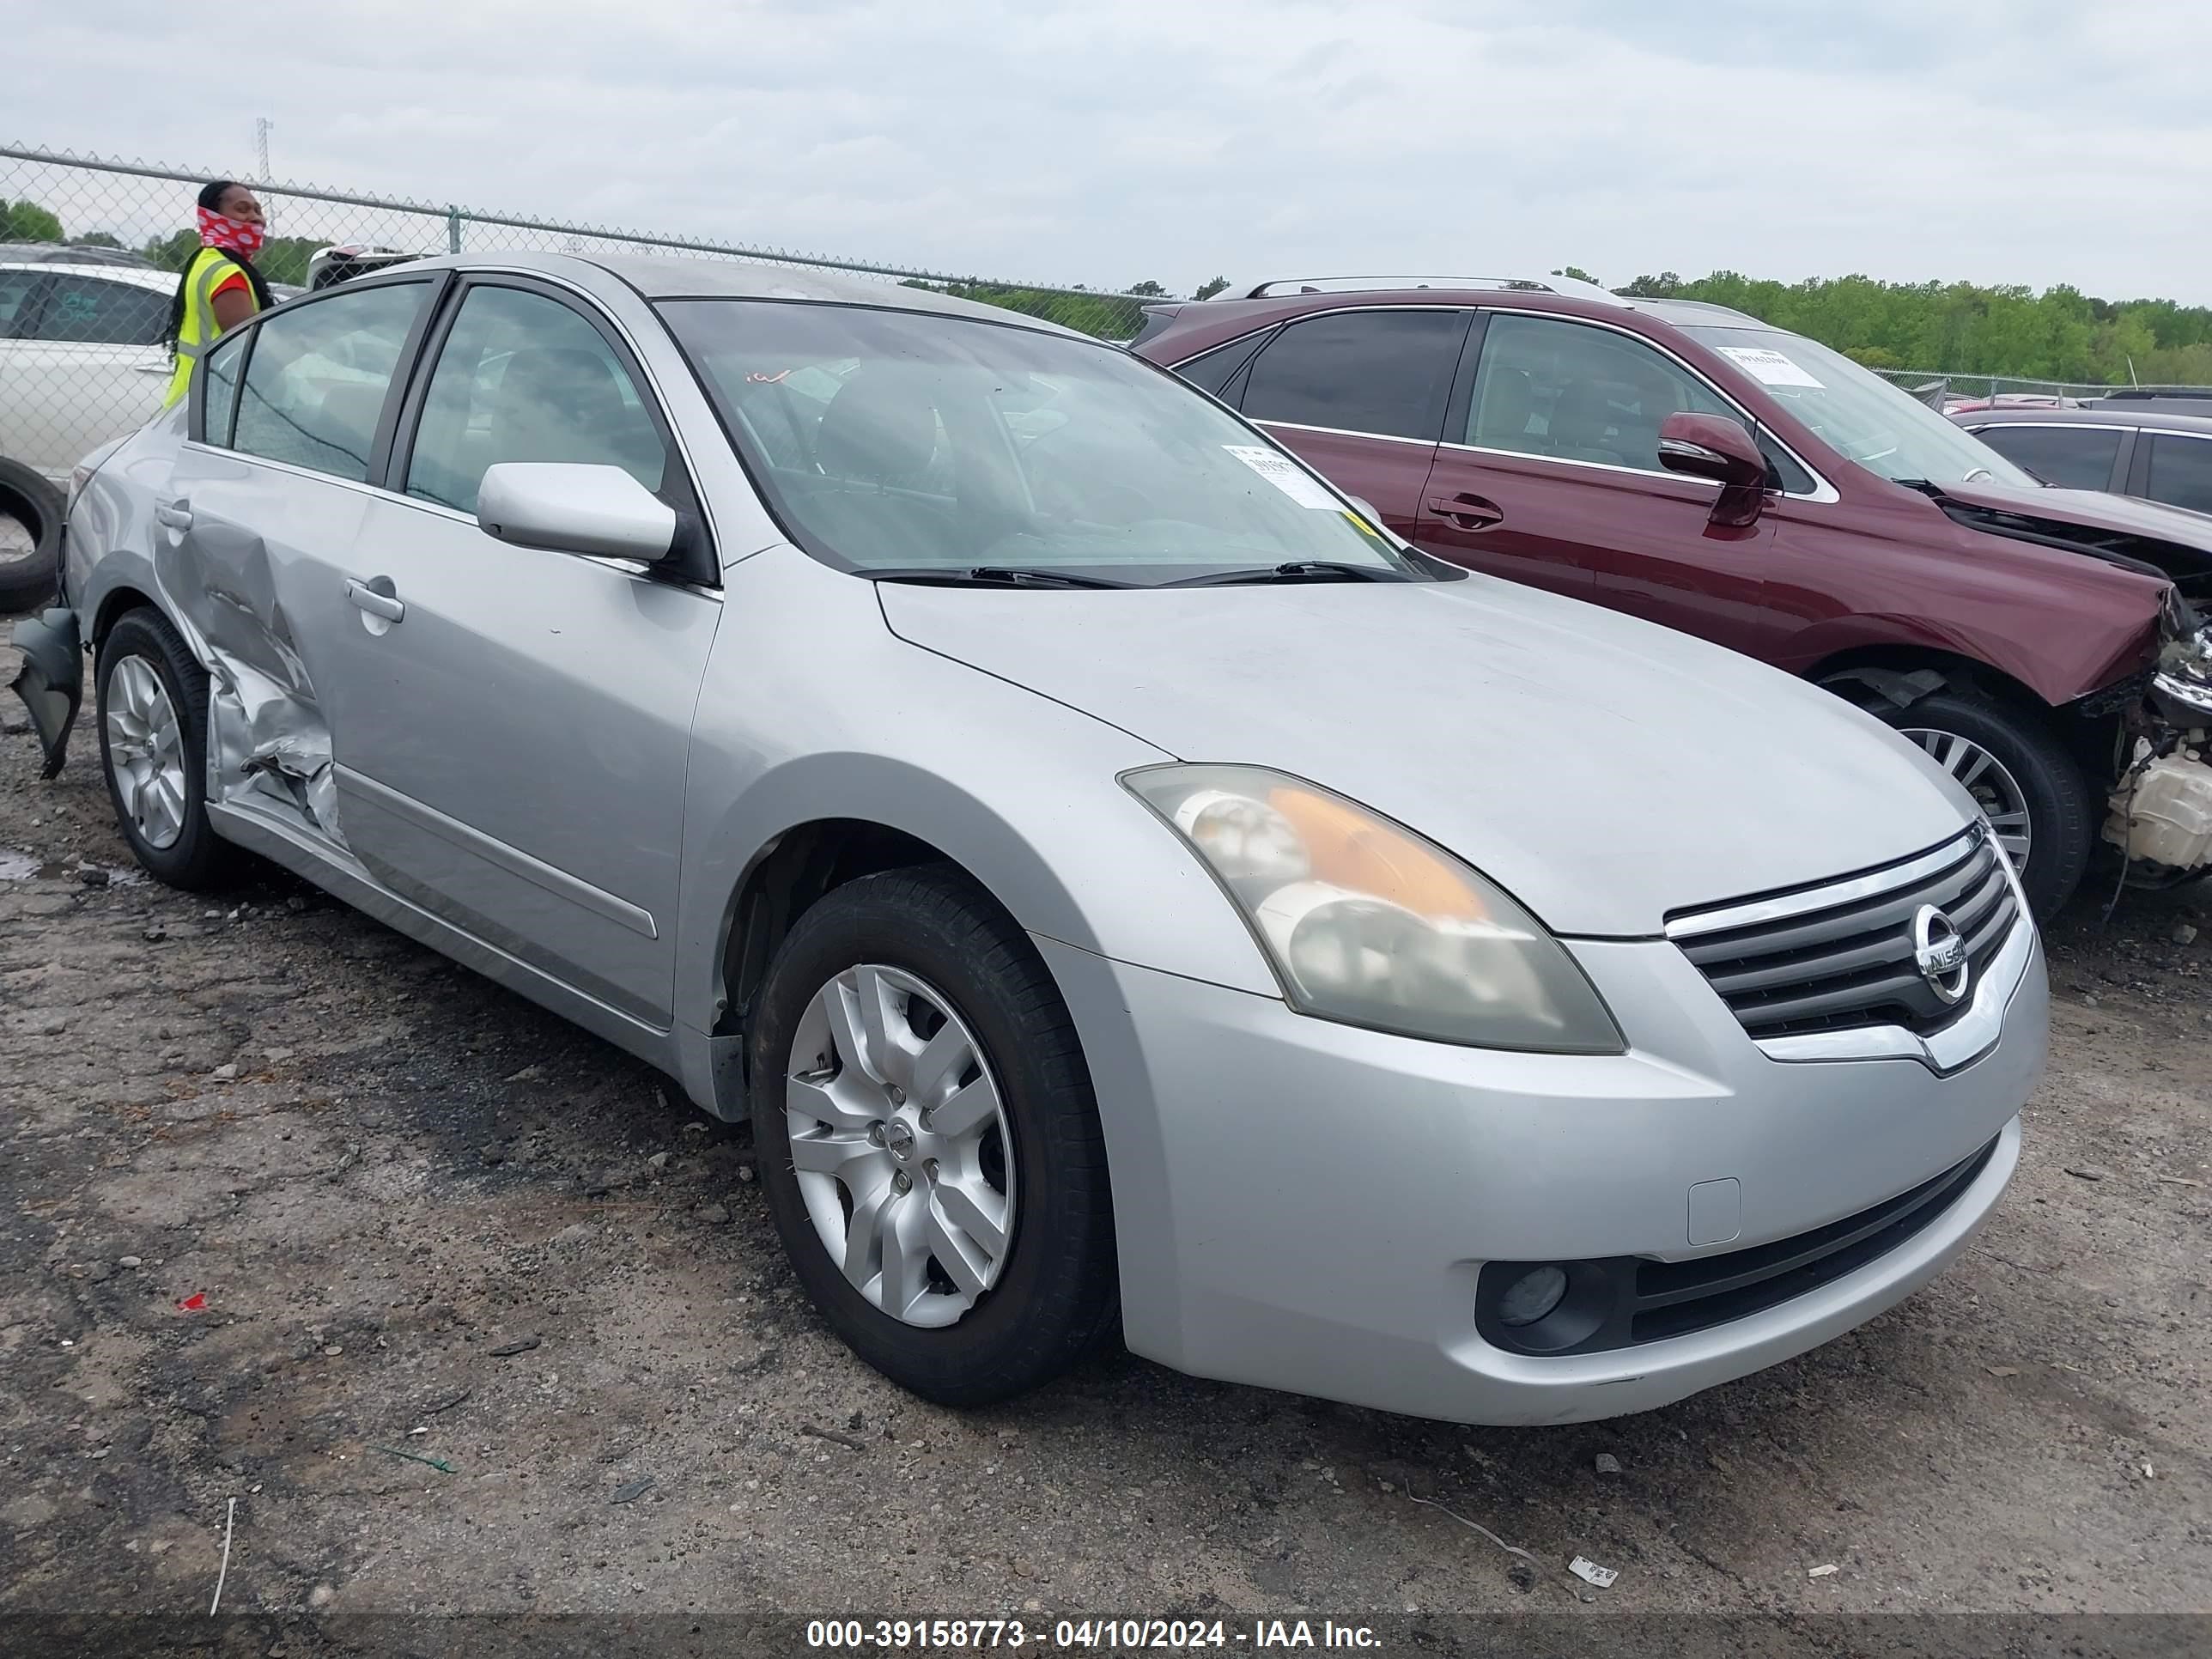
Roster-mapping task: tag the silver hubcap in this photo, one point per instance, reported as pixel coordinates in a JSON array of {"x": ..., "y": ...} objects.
[
  {"x": 900, "y": 1145},
  {"x": 1994, "y": 789},
  {"x": 146, "y": 752}
]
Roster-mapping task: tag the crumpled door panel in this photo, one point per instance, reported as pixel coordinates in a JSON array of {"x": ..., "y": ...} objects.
[{"x": 257, "y": 598}]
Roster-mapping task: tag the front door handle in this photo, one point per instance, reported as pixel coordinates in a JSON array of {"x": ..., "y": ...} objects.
[
  {"x": 1467, "y": 511},
  {"x": 377, "y": 597},
  {"x": 178, "y": 515}
]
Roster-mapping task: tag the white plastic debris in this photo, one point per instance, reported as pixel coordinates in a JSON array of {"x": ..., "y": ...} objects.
[
  {"x": 1822, "y": 1571},
  {"x": 1590, "y": 1573},
  {"x": 1476, "y": 1526}
]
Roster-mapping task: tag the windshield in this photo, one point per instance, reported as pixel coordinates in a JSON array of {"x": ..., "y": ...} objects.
[
  {"x": 1881, "y": 428},
  {"x": 908, "y": 441}
]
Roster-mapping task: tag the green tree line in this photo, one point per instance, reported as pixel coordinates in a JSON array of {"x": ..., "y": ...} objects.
[
  {"x": 281, "y": 258},
  {"x": 1964, "y": 328}
]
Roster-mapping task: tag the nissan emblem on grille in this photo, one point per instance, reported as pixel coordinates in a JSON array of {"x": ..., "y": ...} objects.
[{"x": 1940, "y": 951}]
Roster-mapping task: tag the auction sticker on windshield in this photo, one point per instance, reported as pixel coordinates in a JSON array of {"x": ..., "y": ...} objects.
[
  {"x": 1286, "y": 474},
  {"x": 1770, "y": 366}
]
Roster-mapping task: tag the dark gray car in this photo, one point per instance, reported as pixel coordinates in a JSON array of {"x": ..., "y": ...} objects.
[{"x": 2125, "y": 447}]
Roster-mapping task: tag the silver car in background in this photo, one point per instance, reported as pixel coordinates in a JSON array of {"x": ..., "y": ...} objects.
[{"x": 1118, "y": 880}]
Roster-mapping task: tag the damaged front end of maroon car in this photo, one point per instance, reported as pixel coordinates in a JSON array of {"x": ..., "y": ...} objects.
[
  {"x": 2161, "y": 803},
  {"x": 2156, "y": 774}
]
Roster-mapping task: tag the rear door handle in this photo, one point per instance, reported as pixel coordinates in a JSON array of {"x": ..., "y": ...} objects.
[
  {"x": 152, "y": 368},
  {"x": 1467, "y": 511},
  {"x": 178, "y": 515},
  {"x": 382, "y": 603}
]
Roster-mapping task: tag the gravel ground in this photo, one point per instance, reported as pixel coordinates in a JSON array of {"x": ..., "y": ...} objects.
[{"x": 426, "y": 1218}]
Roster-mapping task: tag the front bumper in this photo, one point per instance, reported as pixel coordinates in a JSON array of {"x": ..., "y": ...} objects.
[
  {"x": 1309, "y": 1206},
  {"x": 50, "y": 682}
]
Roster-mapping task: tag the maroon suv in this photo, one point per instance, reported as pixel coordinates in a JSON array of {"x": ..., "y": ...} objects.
[{"x": 1690, "y": 465}]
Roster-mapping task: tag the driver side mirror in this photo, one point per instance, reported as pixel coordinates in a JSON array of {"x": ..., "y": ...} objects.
[
  {"x": 1713, "y": 446},
  {"x": 566, "y": 507}
]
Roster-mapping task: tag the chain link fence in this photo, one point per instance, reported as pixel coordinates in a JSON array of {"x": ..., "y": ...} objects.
[
  {"x": 90, "y": 249},
  {"x": 1945, "y": 389}
]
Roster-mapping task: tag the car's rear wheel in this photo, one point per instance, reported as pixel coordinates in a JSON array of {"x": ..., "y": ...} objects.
[
  {"x": 2028, "y": 786},
  {"x": 152, "y": 703},
  {"x": 30, "y": 538},
  {"x": 928, "y": 1140}
]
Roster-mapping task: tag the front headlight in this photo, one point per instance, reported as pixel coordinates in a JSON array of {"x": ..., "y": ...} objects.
[
  {"x": 1369, "y": 924},
  {"x": 2183, "y": 680}
]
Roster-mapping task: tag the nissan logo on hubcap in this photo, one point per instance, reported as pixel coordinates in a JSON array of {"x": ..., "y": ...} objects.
[
  {"x": 1939, "y": 951},
  {"x": 900, "y": 1139}
]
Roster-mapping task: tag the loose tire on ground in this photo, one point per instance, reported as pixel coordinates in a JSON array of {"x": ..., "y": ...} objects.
[
  {"x": 30, "y": 539},
  {"x": 1057, "y": 1292}
]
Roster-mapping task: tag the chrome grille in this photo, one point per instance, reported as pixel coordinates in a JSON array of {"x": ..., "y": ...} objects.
[{"x": 1841, "y": 955}]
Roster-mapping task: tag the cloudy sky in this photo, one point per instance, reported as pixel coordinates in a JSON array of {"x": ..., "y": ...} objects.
[{"x": 2026, "y": 141}]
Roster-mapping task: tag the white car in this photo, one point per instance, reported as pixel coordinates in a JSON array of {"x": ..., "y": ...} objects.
[
  {"x": 83, "y": 362},
  {"x": 82, "y": 358}
]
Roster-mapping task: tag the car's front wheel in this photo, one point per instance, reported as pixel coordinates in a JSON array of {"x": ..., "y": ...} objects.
[
  {"x": 2032, "y": 790},
  {"x": 928, "y": 1140},
  {"x": 153, "y": 704}
]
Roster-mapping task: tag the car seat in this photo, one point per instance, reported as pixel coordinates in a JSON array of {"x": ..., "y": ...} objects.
[
  {"x": 565, "y": 405},
  {"x": 1508, "y": 400},
  {"x": 878, "y": 436},
  {"x": 1582, "y": 426}
]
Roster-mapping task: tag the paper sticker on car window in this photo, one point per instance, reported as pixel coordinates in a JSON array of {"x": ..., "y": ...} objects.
[
  {"x": 1286, "y": 474},
  {"x": 1770, "y": 366}
]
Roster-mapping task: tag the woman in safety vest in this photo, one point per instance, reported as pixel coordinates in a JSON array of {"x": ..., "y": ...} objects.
[{"x": 220, "y": 289}]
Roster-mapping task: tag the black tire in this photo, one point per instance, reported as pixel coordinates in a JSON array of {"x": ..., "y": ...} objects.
[
  {"x": 1057, "y": 1292},
  {"x": 2061, "y": 822},
  {"x": 198, "y": 859},
  {"x": 29, "y": 576}
]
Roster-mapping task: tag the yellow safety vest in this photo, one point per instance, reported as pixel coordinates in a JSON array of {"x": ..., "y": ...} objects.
[{"x": 197, "y": 332}]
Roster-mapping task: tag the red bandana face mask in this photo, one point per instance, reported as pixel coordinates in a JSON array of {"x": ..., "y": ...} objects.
[{"x": 219, "y": 230}]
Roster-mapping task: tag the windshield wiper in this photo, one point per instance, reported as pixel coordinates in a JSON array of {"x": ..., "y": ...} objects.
[
  {"x": 990, "y": 575},
  {"x": 1925, "y": 486},
  {"x": 1298, "y": 570}
]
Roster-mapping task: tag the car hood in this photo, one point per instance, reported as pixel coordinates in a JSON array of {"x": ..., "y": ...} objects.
[
  {"x": 1605, "y": 770},
  {"x": 2170, "y": 540}
]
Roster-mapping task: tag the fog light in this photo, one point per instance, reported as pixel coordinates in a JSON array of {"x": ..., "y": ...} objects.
[{"x": 1532, "y": 1295}]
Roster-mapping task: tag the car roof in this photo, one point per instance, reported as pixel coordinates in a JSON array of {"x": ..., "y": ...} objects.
[
  {"x": 136, "y": 276},
  {"x": 2131, "y": 414},
  {"x": 669, "y": 276},
  {"x": 1221, "y": 320},
  {"x": 73, "y": 254},
  {"x": 1693, "y": 314}
]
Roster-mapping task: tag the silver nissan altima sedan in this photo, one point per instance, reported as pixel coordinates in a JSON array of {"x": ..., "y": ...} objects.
[{"x": 1122, "y": 883}]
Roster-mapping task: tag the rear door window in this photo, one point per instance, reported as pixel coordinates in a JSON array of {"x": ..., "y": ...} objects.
[
  {"x": 2071, "y": 457},
  {"x": 317, "y": 376},
  {"x": 91, "y": 311},
  {"x": 18, "y": 301},
  {"x": 1387, "y": 374},
  {"x": 2180, "y": 471}
]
